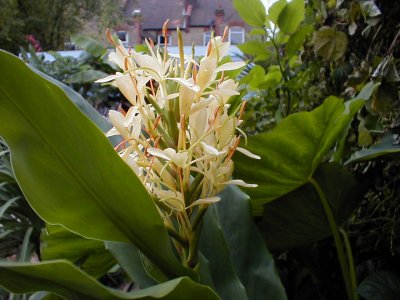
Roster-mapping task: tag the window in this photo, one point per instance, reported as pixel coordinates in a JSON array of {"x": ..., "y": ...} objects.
[
  {"x": 236, "y": 35},
  {"x": 123, "y": 37},
  {"x": 206, "y": 37},
  {"x": 161, "y": 40}
]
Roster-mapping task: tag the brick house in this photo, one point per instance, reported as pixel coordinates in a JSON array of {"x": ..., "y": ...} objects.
[{"x": 196, "y": 19}]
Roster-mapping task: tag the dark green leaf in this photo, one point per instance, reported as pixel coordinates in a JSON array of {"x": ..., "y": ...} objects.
[
  {"x": 251, "y": 11},
  {"x": 64, "y": 279},
  {"x": 74, "y": 166},
  {"x": 380, "y": 286},
  {"x": 297, "y": 40},
  {"x": 86, "y": 76},
  {"x": 128, "y": 257},
  {"x": 298, "y": 218},
  {"x": 292, "y": 151},
  {"x": 214, "y": 247},
  {"x": 249, "y": 255},
  {"x": 329, "y": 43},
  {"x": 81, "y": 103},
  {"x": 59, "y": 243},
  {"x": 90, "y": 45},
  {"x": 386, "y": 147}
]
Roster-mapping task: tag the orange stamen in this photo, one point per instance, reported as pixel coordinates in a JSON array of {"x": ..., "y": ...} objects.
[
  {"x": 109, "y": 38},
  {"x": 233, "y": 149},
  {"x": 244, "y": 103},
  {"x": 225, "y": 33}
]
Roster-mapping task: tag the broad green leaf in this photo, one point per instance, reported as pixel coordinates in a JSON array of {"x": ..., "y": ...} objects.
[
  {"x": 90, "y": 45},
  {"x": 298, "y": 218},
  {"x": 79, "y": 181},
  {"x": 59, "y": 243},
  {"x": 80, "y": 102},
  {"x": 255, "y": 77},
  {"x": 291, "y": 16},
  {"x": 382, "y": 285},
  {"x": 272, "y": 79},
  {"x": 253, "y": 47},
  {"x": 292, "y": 151},
  {"x": 275, "y": 10},
  {"x": 386, "y": 147},
  {"x": 64, "y": 279},
  {"x": 128, "y": 257},
  {"x": 86, "y": 76},
  {"x": 251, "y": 11},
  {"x": 297, "y": 40},
  {"x": 249, "y": 255},
  {"x": 329, "y": 43},
  {"x": 216, "y": 250}
]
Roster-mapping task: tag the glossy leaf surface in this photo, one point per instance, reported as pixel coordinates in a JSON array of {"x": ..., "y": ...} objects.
[
  {"x": 298, "y": 218},
  {"x": 292, "y": 151},
  {"x": 64, "y": 279},
  {"x": 251, "y": 11},
  {"x": 80, "y": 182}
]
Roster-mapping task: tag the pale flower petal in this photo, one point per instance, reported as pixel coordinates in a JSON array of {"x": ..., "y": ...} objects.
[
  {"x": 230, "y": 66},
  {"x": 240, "y": 183},
  {"x": 210, "y": 200},
  {"x": 158, "y": 153},
  {"x": 247, "y": 153}
]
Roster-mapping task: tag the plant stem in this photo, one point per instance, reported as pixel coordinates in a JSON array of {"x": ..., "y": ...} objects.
[
  {"x": 336, "y": 237},
  {"x": 177, "y": 236},
  {"x": 285, "y": 79},
  {"x": 350, "y": 259}
]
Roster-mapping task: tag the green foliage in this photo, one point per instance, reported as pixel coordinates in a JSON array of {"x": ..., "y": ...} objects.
[
  {"x": 51, "y": 22},
  {"x": 251, "y": 11},
  {"x": 380, "y": 286},
  {"x": 63, "y": 279},
  {"x": 329, "y": 43},
  {"x": 97, "y": 217},
  {"x": 306, "y": 138},
  {"x": 291, "y": 16},
  {"x": 80, "y": 73},
  {"x": 113, "y": 208}
]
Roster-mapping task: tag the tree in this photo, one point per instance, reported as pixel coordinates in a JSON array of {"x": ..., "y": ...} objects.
[{"x": 51, "y": 22}]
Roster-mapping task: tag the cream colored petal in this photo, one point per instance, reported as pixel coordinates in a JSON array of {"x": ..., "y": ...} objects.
[
  {"x": 210, "y": 200},
  {"x": 125, "y": 85},
  {"x": 247, "y": 153},
  {"x": 180, "y": 159},
  {"x": 106, "y": 79},
  {"x": 240, "y": 183},
  {"x": 230, "y": 66},
  {"x": 158, "y": 153},
  {"x": 206, "y": 73}
]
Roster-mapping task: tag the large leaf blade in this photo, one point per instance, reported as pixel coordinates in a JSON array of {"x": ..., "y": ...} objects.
[
  {"x": 298, "y": 218},
  {"x": 64, "y": 279},
  {"x": 251, "y": 11},
  {"x": 74, "y": 166},
  {"x": 250, "y": 257},
  {"x": 293, "y": 150}
]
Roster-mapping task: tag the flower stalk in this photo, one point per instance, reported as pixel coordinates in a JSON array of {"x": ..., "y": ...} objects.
[{"x": 178, "y": 136}]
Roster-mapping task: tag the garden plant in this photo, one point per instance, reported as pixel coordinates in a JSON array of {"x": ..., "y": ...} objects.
[{"x": 182, "y": 195}]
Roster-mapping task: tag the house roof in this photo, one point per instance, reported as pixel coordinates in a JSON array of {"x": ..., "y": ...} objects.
[
  {"x": 156, "y": 12},
  {"x": 203, "y": 12}
]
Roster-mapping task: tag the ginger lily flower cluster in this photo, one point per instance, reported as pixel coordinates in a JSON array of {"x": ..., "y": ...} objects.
[{"x": 180, "y": 134}]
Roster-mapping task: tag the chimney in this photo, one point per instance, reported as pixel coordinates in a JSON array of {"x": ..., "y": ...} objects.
[
  {"x": 137, "y": 26},
  {"x": 219, "y": 20}
]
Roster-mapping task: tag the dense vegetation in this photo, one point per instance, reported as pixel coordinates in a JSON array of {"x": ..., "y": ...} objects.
[
  {"x": 321, "y": 87},
  {"x": 48, "y": 24}
]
